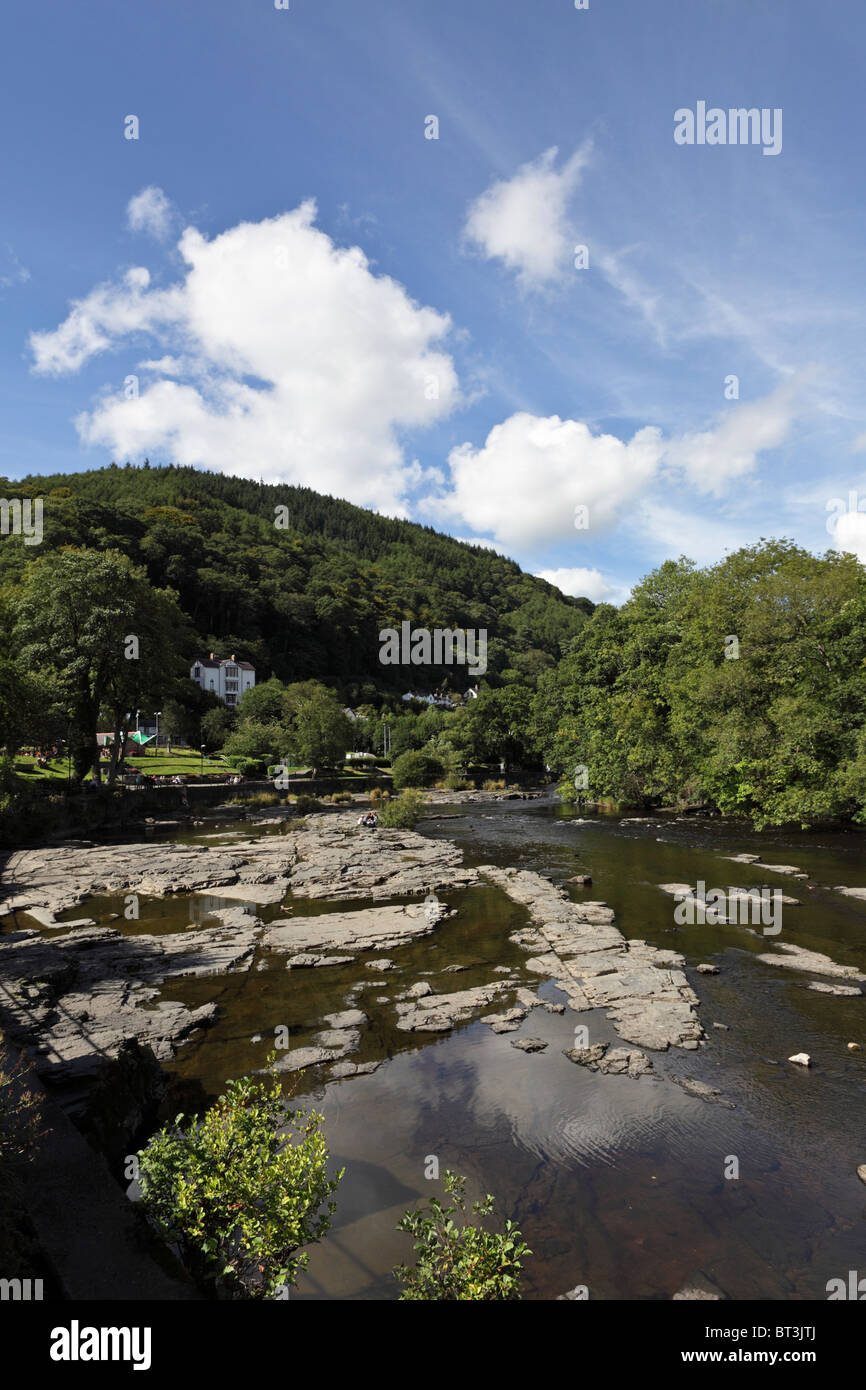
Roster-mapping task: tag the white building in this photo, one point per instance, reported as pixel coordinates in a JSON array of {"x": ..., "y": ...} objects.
[{"x": 228, "y": 679}]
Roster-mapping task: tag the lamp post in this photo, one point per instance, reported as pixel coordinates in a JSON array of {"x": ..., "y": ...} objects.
[
  {"x": 201, "y": 766},
  {"x": 156, "y": 745}
]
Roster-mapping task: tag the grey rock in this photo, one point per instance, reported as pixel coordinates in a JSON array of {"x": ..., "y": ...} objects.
[
  {"x": 439, "y": 1012},
  {"x": 586, "y": 1056},
  {"x": 796, "y": 958},
  {"x": 342, "y": 1069},
  {"x": 529, "y": 1044},
  {"x": 706, "y": 969},
  {"x": 349, "y": 1018},
  {"x": 840, "y": 990},
  {"x": 701, "y": 1091},
  {"x": 296, "y": 1059},
  {"x": 339, "y": 1040},
  {"x": 371, "y": 929},
  {"x": 305, "y": 961}
]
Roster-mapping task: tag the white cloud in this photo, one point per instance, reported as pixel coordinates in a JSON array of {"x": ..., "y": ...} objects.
[
  {"x": 859, "y": 445},
  {"x": 523, "y": 221},
  {"x": 525, "y": 482},
  {"x": 712, "y": 458},
  {"x": 585, "y": 583},
  {"x": 97, "y": 322},
  {"x": 295, "y": 362},
  {"x": 151, "y": 212}
]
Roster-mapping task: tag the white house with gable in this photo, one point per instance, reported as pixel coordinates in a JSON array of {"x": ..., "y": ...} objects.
[{"x": 228, "y": 678}]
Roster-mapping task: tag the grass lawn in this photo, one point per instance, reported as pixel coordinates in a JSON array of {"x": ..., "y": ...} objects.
[
  {"x": 158, "y": 765},
  {"x": 181, "y": 761}
]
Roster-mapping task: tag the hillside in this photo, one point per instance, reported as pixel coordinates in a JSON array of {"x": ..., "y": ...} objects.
[{"x": 307, "y": 601}]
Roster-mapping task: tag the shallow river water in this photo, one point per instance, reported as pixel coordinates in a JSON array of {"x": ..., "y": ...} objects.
[{"x": 617, "y": 1184}]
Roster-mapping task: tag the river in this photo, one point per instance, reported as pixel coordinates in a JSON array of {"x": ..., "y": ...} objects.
[{"x": 620, "y": 1185}]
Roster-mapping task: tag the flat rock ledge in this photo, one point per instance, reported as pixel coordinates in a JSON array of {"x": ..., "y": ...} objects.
[
  {"x": 644, "y": 990},
  {"x": 797, "y": 958},
  {"x": 755, "y": 861},
  {"x": 329, "y": 856},
  {"x": 336, "y": 858},
  {"x": 438, "y": 1013},
  {"x": 75, "y": 998},
  {"x": 370, "y": 929}
]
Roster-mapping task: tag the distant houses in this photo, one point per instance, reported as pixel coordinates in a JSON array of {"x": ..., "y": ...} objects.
[
  {"x": 441, "y": 701},
  {"x": 228, "y": 678},
  {"x": 438, "y": 699}
]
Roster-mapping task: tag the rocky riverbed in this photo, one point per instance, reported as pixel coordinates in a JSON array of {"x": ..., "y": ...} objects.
[
  {"x": 530, "y": 1035},
  {"x": 74, "y": 991}
]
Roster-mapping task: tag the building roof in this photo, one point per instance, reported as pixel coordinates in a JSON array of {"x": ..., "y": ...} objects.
[{"x": 226, "y": 661}]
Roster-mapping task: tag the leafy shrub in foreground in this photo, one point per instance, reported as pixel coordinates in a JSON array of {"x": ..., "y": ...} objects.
[
  {"x": 460, "y": 1262},
  {"x": 236, "y": 1197}
]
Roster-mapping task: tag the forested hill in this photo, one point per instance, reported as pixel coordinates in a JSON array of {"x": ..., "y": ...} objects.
[{"x": 307, "y": 600}]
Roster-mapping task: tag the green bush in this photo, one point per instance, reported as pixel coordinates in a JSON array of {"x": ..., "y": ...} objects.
[
  {"x": 305, "y": 804},
  {"x": 416, "y": 769},
  {"x": 460, "y": 1262},
  {"x": 402, "y": 812},
  {"x": 247, "y": 767},
  {"x": 238, "y": 1199}
]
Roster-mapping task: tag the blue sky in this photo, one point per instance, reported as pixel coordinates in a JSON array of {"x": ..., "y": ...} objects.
[{"x": 282, "y": 277}]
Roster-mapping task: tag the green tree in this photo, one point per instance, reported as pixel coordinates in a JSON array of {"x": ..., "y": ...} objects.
[
  {"x": 241, "y": 1191},
  {"x": 76, "y": 616},
  {"x": 320, "y": 732},
  {"x": 216, "y": 727}
]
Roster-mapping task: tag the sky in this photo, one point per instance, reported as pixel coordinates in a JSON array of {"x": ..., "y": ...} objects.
[{"x": 508, "y": 268}]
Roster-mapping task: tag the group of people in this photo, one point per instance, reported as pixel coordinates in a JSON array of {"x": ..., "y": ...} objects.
[{"x": 369, "y": 820}]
